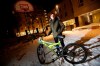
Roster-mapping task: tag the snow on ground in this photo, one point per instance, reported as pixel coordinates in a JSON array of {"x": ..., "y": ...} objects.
[
  {"x": 94, "y": 42},
  {"x": 73, "y": 36}
]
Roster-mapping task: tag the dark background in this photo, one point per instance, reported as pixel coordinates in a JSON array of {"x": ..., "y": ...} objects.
[{"x": 7, "y": 19}]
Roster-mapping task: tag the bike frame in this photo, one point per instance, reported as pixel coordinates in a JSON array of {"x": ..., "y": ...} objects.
[{"x": 50, "y": 45}]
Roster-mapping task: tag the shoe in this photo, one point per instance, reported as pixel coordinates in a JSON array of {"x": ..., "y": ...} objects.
[{"x": 58, "y": 53}]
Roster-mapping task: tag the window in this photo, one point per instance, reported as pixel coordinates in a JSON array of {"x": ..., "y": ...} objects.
[{"x": 80, "y": 2}]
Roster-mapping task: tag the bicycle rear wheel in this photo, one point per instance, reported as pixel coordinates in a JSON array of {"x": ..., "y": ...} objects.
[
  {"x": 75, "y": 53},
  {"x": 41, "y": 54}
]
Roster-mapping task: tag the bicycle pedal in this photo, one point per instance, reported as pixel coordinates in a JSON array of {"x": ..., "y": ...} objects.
[{"x": 58, "y": 53}]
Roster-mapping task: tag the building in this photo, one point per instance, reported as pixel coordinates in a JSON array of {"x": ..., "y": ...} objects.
[
  {"x": 75, "y": 13},
  {"x": 86, "y": 11}
]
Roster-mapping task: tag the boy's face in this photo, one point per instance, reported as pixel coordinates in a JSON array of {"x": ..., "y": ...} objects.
[{"x": 52, "y": 16}]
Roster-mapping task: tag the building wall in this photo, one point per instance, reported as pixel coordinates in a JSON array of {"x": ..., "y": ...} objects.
[
  {"x": 81, "y": 23},
  {"x": 89, "y": 17},
  {"x": 96, "y": 17},
  {"x": 88, "y": 5},
  {"x": 66, "y": 10}
]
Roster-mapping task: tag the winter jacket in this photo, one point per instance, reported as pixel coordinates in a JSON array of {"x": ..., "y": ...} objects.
[{"x": 56, "y": 27}]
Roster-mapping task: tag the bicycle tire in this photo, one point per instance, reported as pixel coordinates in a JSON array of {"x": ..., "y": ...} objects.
[
  {"x": 72, "y": 53},
  {"x": 40, "y": 51},
  {"x": 49, "y": 55}
]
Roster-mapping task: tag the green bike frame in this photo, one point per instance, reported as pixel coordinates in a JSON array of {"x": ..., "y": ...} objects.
[{"x": 50, "y": 45}]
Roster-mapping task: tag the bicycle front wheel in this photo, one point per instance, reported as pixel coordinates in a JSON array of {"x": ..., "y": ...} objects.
[
  {"x": 45, "y": 55},
  {"x": 41, "y": 54},
  {"x": 75, "y": 53}
]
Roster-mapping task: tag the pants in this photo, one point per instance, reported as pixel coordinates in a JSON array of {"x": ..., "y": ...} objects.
[{"x": 61, "y": 40}]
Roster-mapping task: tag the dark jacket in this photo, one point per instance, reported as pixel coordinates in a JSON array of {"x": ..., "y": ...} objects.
[{"x": 56, "y": 27}]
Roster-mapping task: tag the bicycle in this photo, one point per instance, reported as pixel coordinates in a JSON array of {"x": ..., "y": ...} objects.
[{"x": 73, "y": 53}]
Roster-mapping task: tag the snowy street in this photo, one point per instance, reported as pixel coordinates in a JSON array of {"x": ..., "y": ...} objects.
[{"x": 25, "y": 54}]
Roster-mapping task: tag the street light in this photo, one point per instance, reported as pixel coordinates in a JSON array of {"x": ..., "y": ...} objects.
[
  {"x": 57, "y": 9},
  {"x": 44, "y": 10},
  {"x": 57, "y": 6}
]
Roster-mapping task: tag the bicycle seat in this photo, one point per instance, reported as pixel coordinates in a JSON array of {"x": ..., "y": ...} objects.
[{"x": 61, "y": 36}]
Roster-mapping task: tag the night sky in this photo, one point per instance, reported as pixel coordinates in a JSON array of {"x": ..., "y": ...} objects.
[{"x": 45, "y": 4}]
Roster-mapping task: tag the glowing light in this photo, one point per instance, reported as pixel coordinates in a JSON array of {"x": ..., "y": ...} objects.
[
  {"x": 44, "y": 10},
  {"x": 95, "y": 17},
  {"x": 90, "y": 13},
  {"x": 88, "y": 18},
  {"x": 37, "y": 18},
  {"x": 57, "y": 9},
  {"x": 31, "y": 31},
  {"x": 57, "y": 6}
]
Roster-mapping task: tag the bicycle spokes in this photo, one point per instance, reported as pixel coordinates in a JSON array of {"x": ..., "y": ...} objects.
[{"x": 74, "y": 53}]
